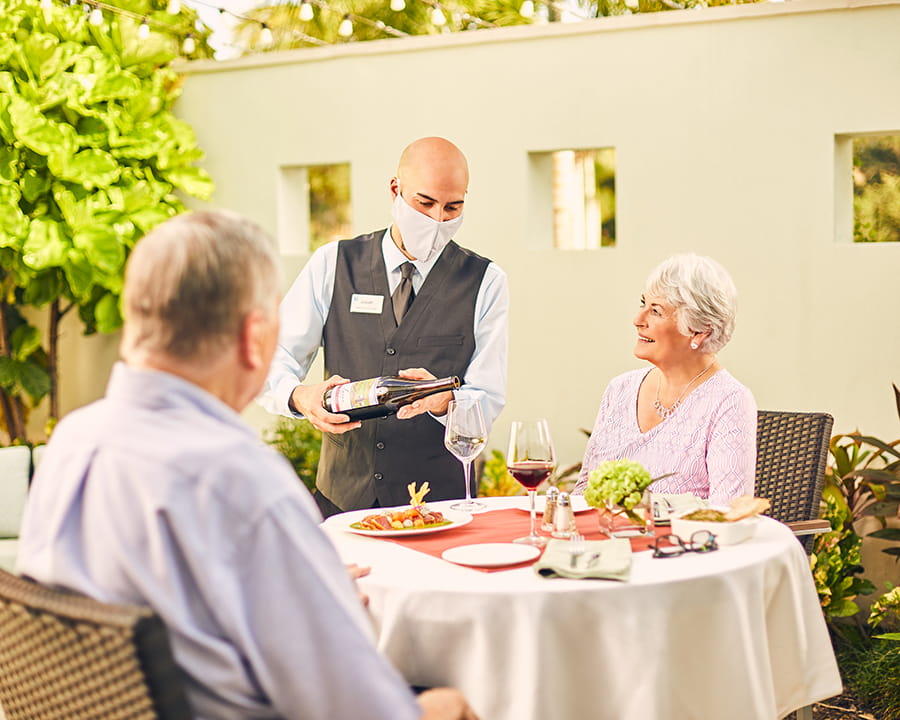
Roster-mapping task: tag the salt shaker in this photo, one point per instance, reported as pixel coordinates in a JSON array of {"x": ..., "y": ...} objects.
[
  {"x": 548, "y": 523},
  {"x": 564, "y": 522}
]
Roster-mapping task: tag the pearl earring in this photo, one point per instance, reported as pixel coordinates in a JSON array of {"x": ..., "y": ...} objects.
[{"x": 694, "y": 346}]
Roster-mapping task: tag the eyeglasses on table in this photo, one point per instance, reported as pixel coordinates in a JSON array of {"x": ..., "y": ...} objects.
[{"x": 667, "y": 546}]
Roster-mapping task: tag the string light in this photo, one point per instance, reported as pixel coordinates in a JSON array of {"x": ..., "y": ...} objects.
[
  {"x": 46, "y": 4},
  {"x": 437, "y": 16},
  {"x": 144, "y": 30},
  {"x": 398, "y": 5},
  {"x": 265, "y": 36},
  {"x": 306, "y": 11},
  {"x": 173, "y": 7},
  {"x": 189, "y": 45},
  {"x": 526, "y": 10},
  {"x": 96, "y": 17},
  {"x": 346, "y": 27}
]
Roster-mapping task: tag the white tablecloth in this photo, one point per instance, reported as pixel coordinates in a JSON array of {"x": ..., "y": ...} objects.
[{"x": 733, "y": 634}]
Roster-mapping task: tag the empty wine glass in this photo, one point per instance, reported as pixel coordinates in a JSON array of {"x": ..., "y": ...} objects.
[
  {"x": 530, "y": 460},
  {"x": 464, "y": 436}
]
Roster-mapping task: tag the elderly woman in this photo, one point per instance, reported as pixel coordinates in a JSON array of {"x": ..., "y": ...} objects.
[{"x": 686, "y": 414}]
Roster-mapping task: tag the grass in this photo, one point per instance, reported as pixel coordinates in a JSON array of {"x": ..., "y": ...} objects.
[{"x": 871, "y": 669}]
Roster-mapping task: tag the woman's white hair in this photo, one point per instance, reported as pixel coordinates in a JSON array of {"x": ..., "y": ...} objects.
[
  {"x": 191, "y": 281},
  {"x": 702, "y": 293}
]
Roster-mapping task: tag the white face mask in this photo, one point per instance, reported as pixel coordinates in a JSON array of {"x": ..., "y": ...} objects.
[{"x": 422, "y": 237}]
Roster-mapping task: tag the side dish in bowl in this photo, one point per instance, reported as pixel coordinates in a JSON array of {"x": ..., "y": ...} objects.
[{"x": 730, "y": 525}]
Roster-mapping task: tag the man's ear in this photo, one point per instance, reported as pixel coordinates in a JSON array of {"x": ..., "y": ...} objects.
[
  {"x": 395, "y": 187},
  {"x": 251, "y": 343}
]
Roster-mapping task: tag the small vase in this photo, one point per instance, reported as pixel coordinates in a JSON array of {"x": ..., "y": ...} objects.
[{"x": 617, "y": 522}]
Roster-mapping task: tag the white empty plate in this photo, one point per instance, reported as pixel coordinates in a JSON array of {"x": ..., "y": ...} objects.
[{"x": 491, "y": 554}]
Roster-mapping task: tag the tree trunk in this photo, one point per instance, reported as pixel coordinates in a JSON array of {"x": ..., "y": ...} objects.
[
  {"x": 53, "y": 359},
  {"x": 13, "y": 412}
]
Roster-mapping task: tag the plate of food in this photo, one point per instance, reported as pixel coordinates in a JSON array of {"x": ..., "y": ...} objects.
[
  {"x": 413, "y": 519},
  {"x": 731, "y": 525},
  {"x": 578, "y": 503}
]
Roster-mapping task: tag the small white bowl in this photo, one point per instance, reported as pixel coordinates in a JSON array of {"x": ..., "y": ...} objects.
[{"x": 727, "y": 533}]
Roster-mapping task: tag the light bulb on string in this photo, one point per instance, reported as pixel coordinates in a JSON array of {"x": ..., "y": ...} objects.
[
  {"x": 346, "y": 27},
  {"x": 398, "y": 5},
  {"x": 46, "y": 4},
  {"x": 189, "y": 45},
  {"x": 144, "y": 30},
  {"x": 437, "y": 16},
  {"x": 306, "y": 11},
  {"x": 265, "y": 36},
  {"x": 526, "y": 10},
  {"x": 96, "y": 17},
  {"x": 173, "y": 7}
]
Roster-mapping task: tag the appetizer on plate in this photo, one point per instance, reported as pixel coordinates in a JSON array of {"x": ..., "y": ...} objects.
[{"x": 418, "y": 515}]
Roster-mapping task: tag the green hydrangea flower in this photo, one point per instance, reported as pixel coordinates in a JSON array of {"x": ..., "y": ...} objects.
[{"x": 621, "y": 482}]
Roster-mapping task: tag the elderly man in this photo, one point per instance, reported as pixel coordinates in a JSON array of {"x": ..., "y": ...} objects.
[
  {"x": 160, "y": 495},
  {"x": 456, "y": 324}
]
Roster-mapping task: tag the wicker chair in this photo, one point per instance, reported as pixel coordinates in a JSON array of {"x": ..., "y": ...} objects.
[
  {"x": 791, "y": 450},
  {"x": 67, "y": 657}
]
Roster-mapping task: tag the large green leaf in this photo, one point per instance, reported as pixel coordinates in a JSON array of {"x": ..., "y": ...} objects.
[
  {"x": 90, "y": 168},
  {"x": 101, "y": 246},
  {"x": 36, "y": 132},
  {"x": 34, "y": 184},
  {"x": 42, "y": 54},
  {"x": 25, "y": 339},
  {"x": 9, "y": 164},
  {"x": 192, "y": 180},
  {"x": 886, "y": 534},
  {"x": 44, "y": 247},
  {"x": 107, "y": 314},
  {"x": 116, "y": 86},
  {"x": 13, "y": 223},
  {"x": 79, "y": 274},
  {"x": 17, "y": 377}
]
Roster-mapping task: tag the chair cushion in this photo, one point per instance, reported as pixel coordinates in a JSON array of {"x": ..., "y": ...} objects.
[{"x": 15, "y": 466}]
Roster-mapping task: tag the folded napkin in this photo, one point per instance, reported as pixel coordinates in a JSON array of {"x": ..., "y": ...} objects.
[
  {"x": 666, "y": 504},
  {"x": 601, "y": 559}
]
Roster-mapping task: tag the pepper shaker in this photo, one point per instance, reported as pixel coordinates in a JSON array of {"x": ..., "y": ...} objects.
[
  {"x": 549, "y": 522},
  {"x": 564, "y": 522}
]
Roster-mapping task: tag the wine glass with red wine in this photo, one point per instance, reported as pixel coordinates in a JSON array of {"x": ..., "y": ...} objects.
[
  {"x": 464, "y": 437},
  {"x": 530, "y": 460}
]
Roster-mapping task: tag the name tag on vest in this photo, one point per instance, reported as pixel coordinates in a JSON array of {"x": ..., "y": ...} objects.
[{"x": 370, "y": 304}]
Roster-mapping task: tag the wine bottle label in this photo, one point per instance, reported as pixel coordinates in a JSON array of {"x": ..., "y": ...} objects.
[{"x": 354, "y": 395}]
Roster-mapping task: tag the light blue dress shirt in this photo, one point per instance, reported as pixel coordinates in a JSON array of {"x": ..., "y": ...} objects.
[
  {"x": 160, "y": 495},
  {"x": 305, "y": 308}
]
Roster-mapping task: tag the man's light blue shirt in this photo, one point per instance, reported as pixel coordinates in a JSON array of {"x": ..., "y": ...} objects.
[
  {"x": 305, "y": 308},
  {"x": 160, "y": 495}
]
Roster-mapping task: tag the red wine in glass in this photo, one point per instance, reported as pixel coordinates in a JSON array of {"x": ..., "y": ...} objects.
[
  {"x": 530, "y": 473},
  {"x": 530, "y": 461}
]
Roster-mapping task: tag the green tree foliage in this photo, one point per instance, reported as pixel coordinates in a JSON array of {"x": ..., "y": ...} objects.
[
  {"x": 301, "y": 444},
  {"x": 876, "y": 189},
  {"x": 91, "y": 159}
]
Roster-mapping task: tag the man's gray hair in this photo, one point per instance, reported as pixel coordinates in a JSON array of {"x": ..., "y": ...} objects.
[
  {"x": 191, "y": 281},
  {"x": 702, "y": 293}
]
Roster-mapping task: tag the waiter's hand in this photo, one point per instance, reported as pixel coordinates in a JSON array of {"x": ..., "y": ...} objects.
[
  {"x": 307, "y": 400},
  {"x": 445, "y": 704},
  {"x": 435, "y": 404}
]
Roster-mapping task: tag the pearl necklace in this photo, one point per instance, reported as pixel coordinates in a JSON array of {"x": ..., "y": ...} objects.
[{"x": 664, "y": 411}]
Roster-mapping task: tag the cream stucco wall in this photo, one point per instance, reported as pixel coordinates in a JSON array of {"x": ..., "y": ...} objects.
[{"x": 724, "y": 123}]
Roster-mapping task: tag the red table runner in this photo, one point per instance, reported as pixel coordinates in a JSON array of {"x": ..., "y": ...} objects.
[{"x": 500, "y": 526}]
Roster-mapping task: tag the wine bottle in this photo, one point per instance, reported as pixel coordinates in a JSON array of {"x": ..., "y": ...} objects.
[{"x": 381, "y": 396}]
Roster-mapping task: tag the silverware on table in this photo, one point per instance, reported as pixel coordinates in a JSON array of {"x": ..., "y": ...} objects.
[{"x": 576, "y": 548}]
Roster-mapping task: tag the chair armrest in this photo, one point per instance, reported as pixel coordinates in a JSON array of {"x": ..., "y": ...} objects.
[{"x": 809, "y": 527}]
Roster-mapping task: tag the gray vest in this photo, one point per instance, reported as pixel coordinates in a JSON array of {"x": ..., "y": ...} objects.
[{"x": 378, "y": 461}]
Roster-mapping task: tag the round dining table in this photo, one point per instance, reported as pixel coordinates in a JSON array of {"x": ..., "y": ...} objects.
[{"x": 737, "y": 633}]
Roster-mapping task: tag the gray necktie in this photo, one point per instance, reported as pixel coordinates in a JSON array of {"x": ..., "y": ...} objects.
[{"x": 404, "y": 294}]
